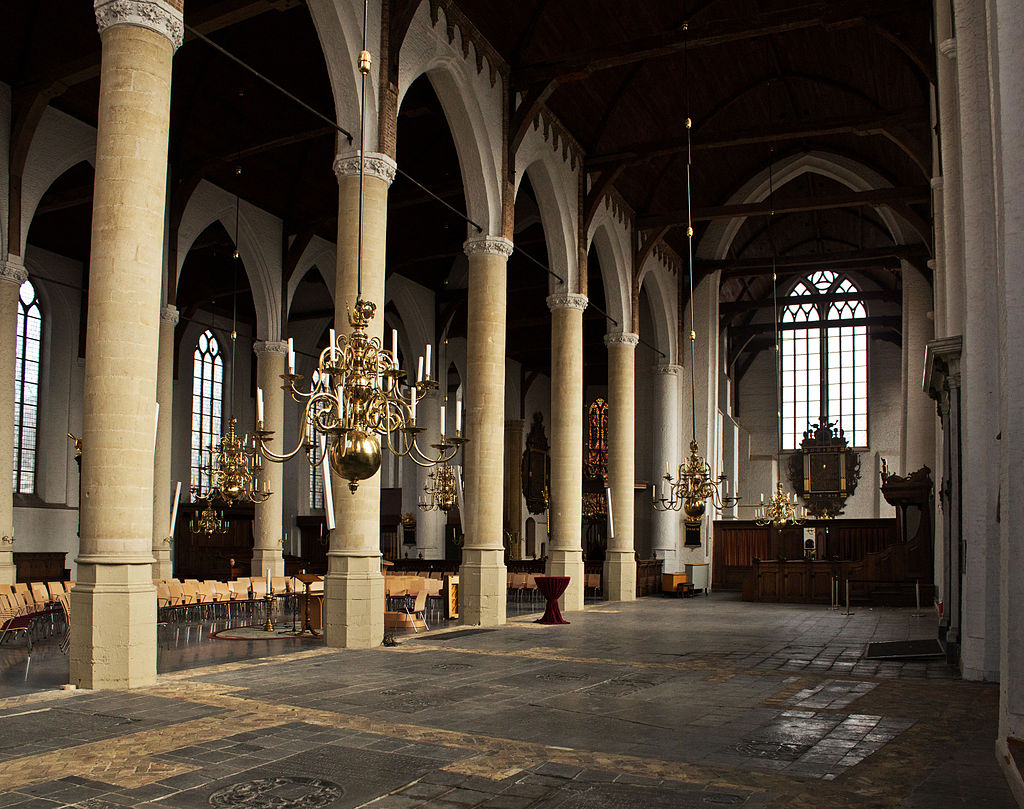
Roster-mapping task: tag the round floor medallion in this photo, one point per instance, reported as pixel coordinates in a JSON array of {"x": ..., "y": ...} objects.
[{"x": 277, "y": 793}]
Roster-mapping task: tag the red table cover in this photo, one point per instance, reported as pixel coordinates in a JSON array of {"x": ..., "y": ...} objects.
[{"x": 551, "y": 587}]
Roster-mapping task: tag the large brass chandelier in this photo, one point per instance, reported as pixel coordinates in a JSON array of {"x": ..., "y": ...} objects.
[
  {"x": 694, "y": 483},
  {"x": 357, "y": 396},
  {"x": 209, "y": 520},
  {"x": 780, "y": 510},
  {"x": 235, "y": 468},
  {"x": 440, "y": 493}
]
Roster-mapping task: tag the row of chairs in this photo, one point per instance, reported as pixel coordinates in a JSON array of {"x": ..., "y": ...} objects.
[
  {"x": 38, "y": 593},
  {"x": 190, "y": 598},
  {"x": 415, "y": 595},
  {"x": 524, "y": 585},
  {"x": 35, "y": 610}
]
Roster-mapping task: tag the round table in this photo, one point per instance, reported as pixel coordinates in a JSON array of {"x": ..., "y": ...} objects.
[{"x": 551, "y": 587}]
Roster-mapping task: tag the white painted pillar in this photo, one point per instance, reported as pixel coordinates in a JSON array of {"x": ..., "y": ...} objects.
[
  {"x": 482, "y": 577},
  {"x": 354, "y": 585},
  {"x": 980, "y": 363},
  {"x": 12, "y": 276},
  {"x": 620, "y": 556},
  {"x": 918, "y": 409},
  {"x": 113, "y": 634},
  {"x": 268, "y": 528},
  {"x": 565, "y": 546},
  {"x": 667, "y": 448},
  {"x": 163, "y": 490}
]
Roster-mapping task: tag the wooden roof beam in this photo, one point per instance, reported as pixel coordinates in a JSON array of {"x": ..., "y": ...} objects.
[
  {"x": 863, "y": 125},
  {"x": 732, "y": 308},
  {"x": 814, "y": 15},
  {"x": 875, "y": 197}
]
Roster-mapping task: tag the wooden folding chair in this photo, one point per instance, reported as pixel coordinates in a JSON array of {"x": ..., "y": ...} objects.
[{"x": 418, "y": 613}]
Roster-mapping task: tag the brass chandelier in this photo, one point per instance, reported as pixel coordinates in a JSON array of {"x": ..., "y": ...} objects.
[
  {"x": 209, "y": 521},
  {"x": 440, "y": 493},
  {"x": 780, "y": 509},
  {"x": 694, "y": 483},
  {"x": 357, "y": 395}
]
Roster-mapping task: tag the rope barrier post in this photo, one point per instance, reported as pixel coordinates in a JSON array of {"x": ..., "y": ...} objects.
[
  {"x": 917, "y": 599},
  {"x": 847, "y": 598}
]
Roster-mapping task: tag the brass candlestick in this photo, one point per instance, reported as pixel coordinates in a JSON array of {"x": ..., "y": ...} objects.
[{"x": 269, "y": 625}]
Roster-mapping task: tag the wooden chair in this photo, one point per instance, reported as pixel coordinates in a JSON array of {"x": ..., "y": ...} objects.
[
  {"x": 417, "y": 613},
  {"x": 22, "y": 589},
  {"x": 163, "y": 596},
  {"x": 67, "y": 587},
  {"x": 593, "y": 582},
  {"x": 177, "y": 593},
  {"x": 40, "y": 594}
]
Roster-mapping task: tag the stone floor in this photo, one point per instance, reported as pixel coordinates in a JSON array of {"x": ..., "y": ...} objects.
[{"x": 703, "y": 702}]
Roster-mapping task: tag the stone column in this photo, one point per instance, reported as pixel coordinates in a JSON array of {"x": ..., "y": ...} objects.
[
  {"x": 620, "y": 558},
  {"x": 162, "y": 488},
  {"x": 951, "y": 210},
  {"x": 268, "y": 529},
  {"x": 12, "y": 276},
  {"x": 430, "y": 524},
  {"x": 919, "y": 411},
  {"x": 565, "y": 546},
  {"x": 354, "y": 587},
  {"x": 980, "y": 361},
  {"x": 667, "y": 444},
  {"x": 482, "y": 581},
  {"x": 113, "y": 635}
]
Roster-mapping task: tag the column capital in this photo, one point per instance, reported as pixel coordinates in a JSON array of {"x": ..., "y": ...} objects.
[
  {"x": 668, "y": 369},
  {"x": 567, "y": 300},
  {"x": 7, "y": 540},
  {"x": 169, "y": 314},
  {"x": 13, "y": 270},
  {"x": 622, "y": 338},
  {"x": 375, "y": 164},
  {"x": 261, "y": 347},
  {"x": 937, "y": 183},
  {"x": 491, "y": 245},
  {"x": 948, "y": 48},
  {"x": 162, "y": 16}
]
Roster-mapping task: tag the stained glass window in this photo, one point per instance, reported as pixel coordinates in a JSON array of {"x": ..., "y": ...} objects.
[
  {"x": 26, "y": 388},
  {"x": 595, "y": 457},
  {"x": 824, "y": 363},
  {"x": 207, "y": 398}
]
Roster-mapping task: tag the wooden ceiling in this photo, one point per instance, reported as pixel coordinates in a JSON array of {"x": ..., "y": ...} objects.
[{"x": 762, "y": 80}]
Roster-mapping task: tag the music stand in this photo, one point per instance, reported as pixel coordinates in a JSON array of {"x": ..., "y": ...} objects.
[{"x": 307, "y": 579}]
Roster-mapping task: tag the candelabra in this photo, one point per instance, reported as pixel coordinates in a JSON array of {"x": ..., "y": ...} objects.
[
  {"x": 440, "y": 493},
  {"x": 690, "y": 489},
  {"x": 780, "y": 510},
  {"x": 355, "y": 401},
  {"x": 234, "y": 469},
  {"x": 210, "y": 521}
]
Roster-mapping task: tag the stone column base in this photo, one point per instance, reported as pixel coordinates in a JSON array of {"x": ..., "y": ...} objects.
[
  {"x": 670, "y": 561},
  {"x": 8, "y": 572},
  {"x": 113, "y": 626},
  {"x": 163, "y": 568},
  {"x": 353, "y": 602},
  {"x": 568, "y": 563},
  {"x": 483, "y": 586},
  {"x": 264, "y": 559},
  {"x": 620, "y": 575}
]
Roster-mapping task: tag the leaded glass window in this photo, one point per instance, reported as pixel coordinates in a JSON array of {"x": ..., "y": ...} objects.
[
  {"x": 824, "y": 363},
  {"x": 595, "y": 457},
  {"x": 26, "y": 388},
  {"x": 207, "y": 399}
]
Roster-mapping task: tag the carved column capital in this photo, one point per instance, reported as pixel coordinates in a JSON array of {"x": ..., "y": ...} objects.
[
  {"x": 668, "y": 369},
  {"x": 567, "y": 300},
  {"x": 169, "y": 314},
  {"x": 13, "y": 270},
  {"x": 162, "y": 16},
  {"x": 948, "y": 48},
  {"x": 375, "y": 164},
  {"x": 261, "y": 347},
  {"x": 492, "y": 245},
  {"x": 622, "y": 338}
]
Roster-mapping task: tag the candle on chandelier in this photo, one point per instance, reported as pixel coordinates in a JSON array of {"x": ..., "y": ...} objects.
[
  {"x": 259, "y": 405},
  {"x": 332, "y": 338},
  {"x": 654, "y": 493},
  {"x": 291, "y": 355},
  {"x": 443, "y": 410},
  {"x": 419, "y": 370},
  {"x": 458, "y": 417},
  {"x": 428, "y": 361},
  {"x": 412, "y": 401},
  {"x": 394, "y": 342},
  {"x": 762, "y": 498}
]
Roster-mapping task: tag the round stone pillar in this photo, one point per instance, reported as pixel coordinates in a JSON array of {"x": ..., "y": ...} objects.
[
  {"x": 162, "y": 490},
  {"x": 113, "y": 634},
  {"x": 565, "y": 545},
  {"x": 620, "y": 558},
  {"x": 951, "y": 212},
  {"x": 12, "y": 276},
  {"x": 665, "y": 524},
  {"x": 267, "y": 552},
  {"x": 430, "y": 524},
  {"x": 482, "y": 579},
  {"x": 919, "y": 409},
  {"x": 354, "y": 587}
]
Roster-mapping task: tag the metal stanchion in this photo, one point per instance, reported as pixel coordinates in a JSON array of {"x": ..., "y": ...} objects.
[
  {"x": 847, "y": 598},
  {"x": 917, "y": 599}
]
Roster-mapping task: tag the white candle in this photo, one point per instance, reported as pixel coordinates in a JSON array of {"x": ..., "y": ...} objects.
[
  {"x": 394, "y": 342},
  {"x": 291, "y": 355},
  {"x": 259, "y": 405},
  {"x": 762, "y": 498},
  {"x": 419, "y": 369},
  {"x": 174, "y": 508},
  {"x": 428, "y": 361},
  {"x": 458, "y": 417},
  {"x": 332, "y": 338},
  {"x": 268, "y": 579},
  {"x": 325, "y": 470},
  {"x": 412, "y": 403},
  {"x": 611, "y": 523},
  {"x": 442, "y": 421},
  {"x": 653, "y": 493}
]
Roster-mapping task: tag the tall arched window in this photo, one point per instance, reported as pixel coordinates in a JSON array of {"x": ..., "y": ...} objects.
[
  {"x": 26, "y": 388},
  {"x": 207, "y": 397},
  {"x": 824, "y": 363},
  {"x": 595, "y": 456}
]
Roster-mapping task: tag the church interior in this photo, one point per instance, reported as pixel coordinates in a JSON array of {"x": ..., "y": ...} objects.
[{"x": 400, "y": 322}]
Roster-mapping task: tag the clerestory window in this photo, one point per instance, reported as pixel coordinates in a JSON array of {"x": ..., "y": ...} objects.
[
  {"x": 207, "y": 401},
  {"x": 26, "y": 388}
]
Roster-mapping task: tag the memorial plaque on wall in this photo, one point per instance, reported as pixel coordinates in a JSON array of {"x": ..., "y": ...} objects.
[{"x": 824, "y": 472}]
